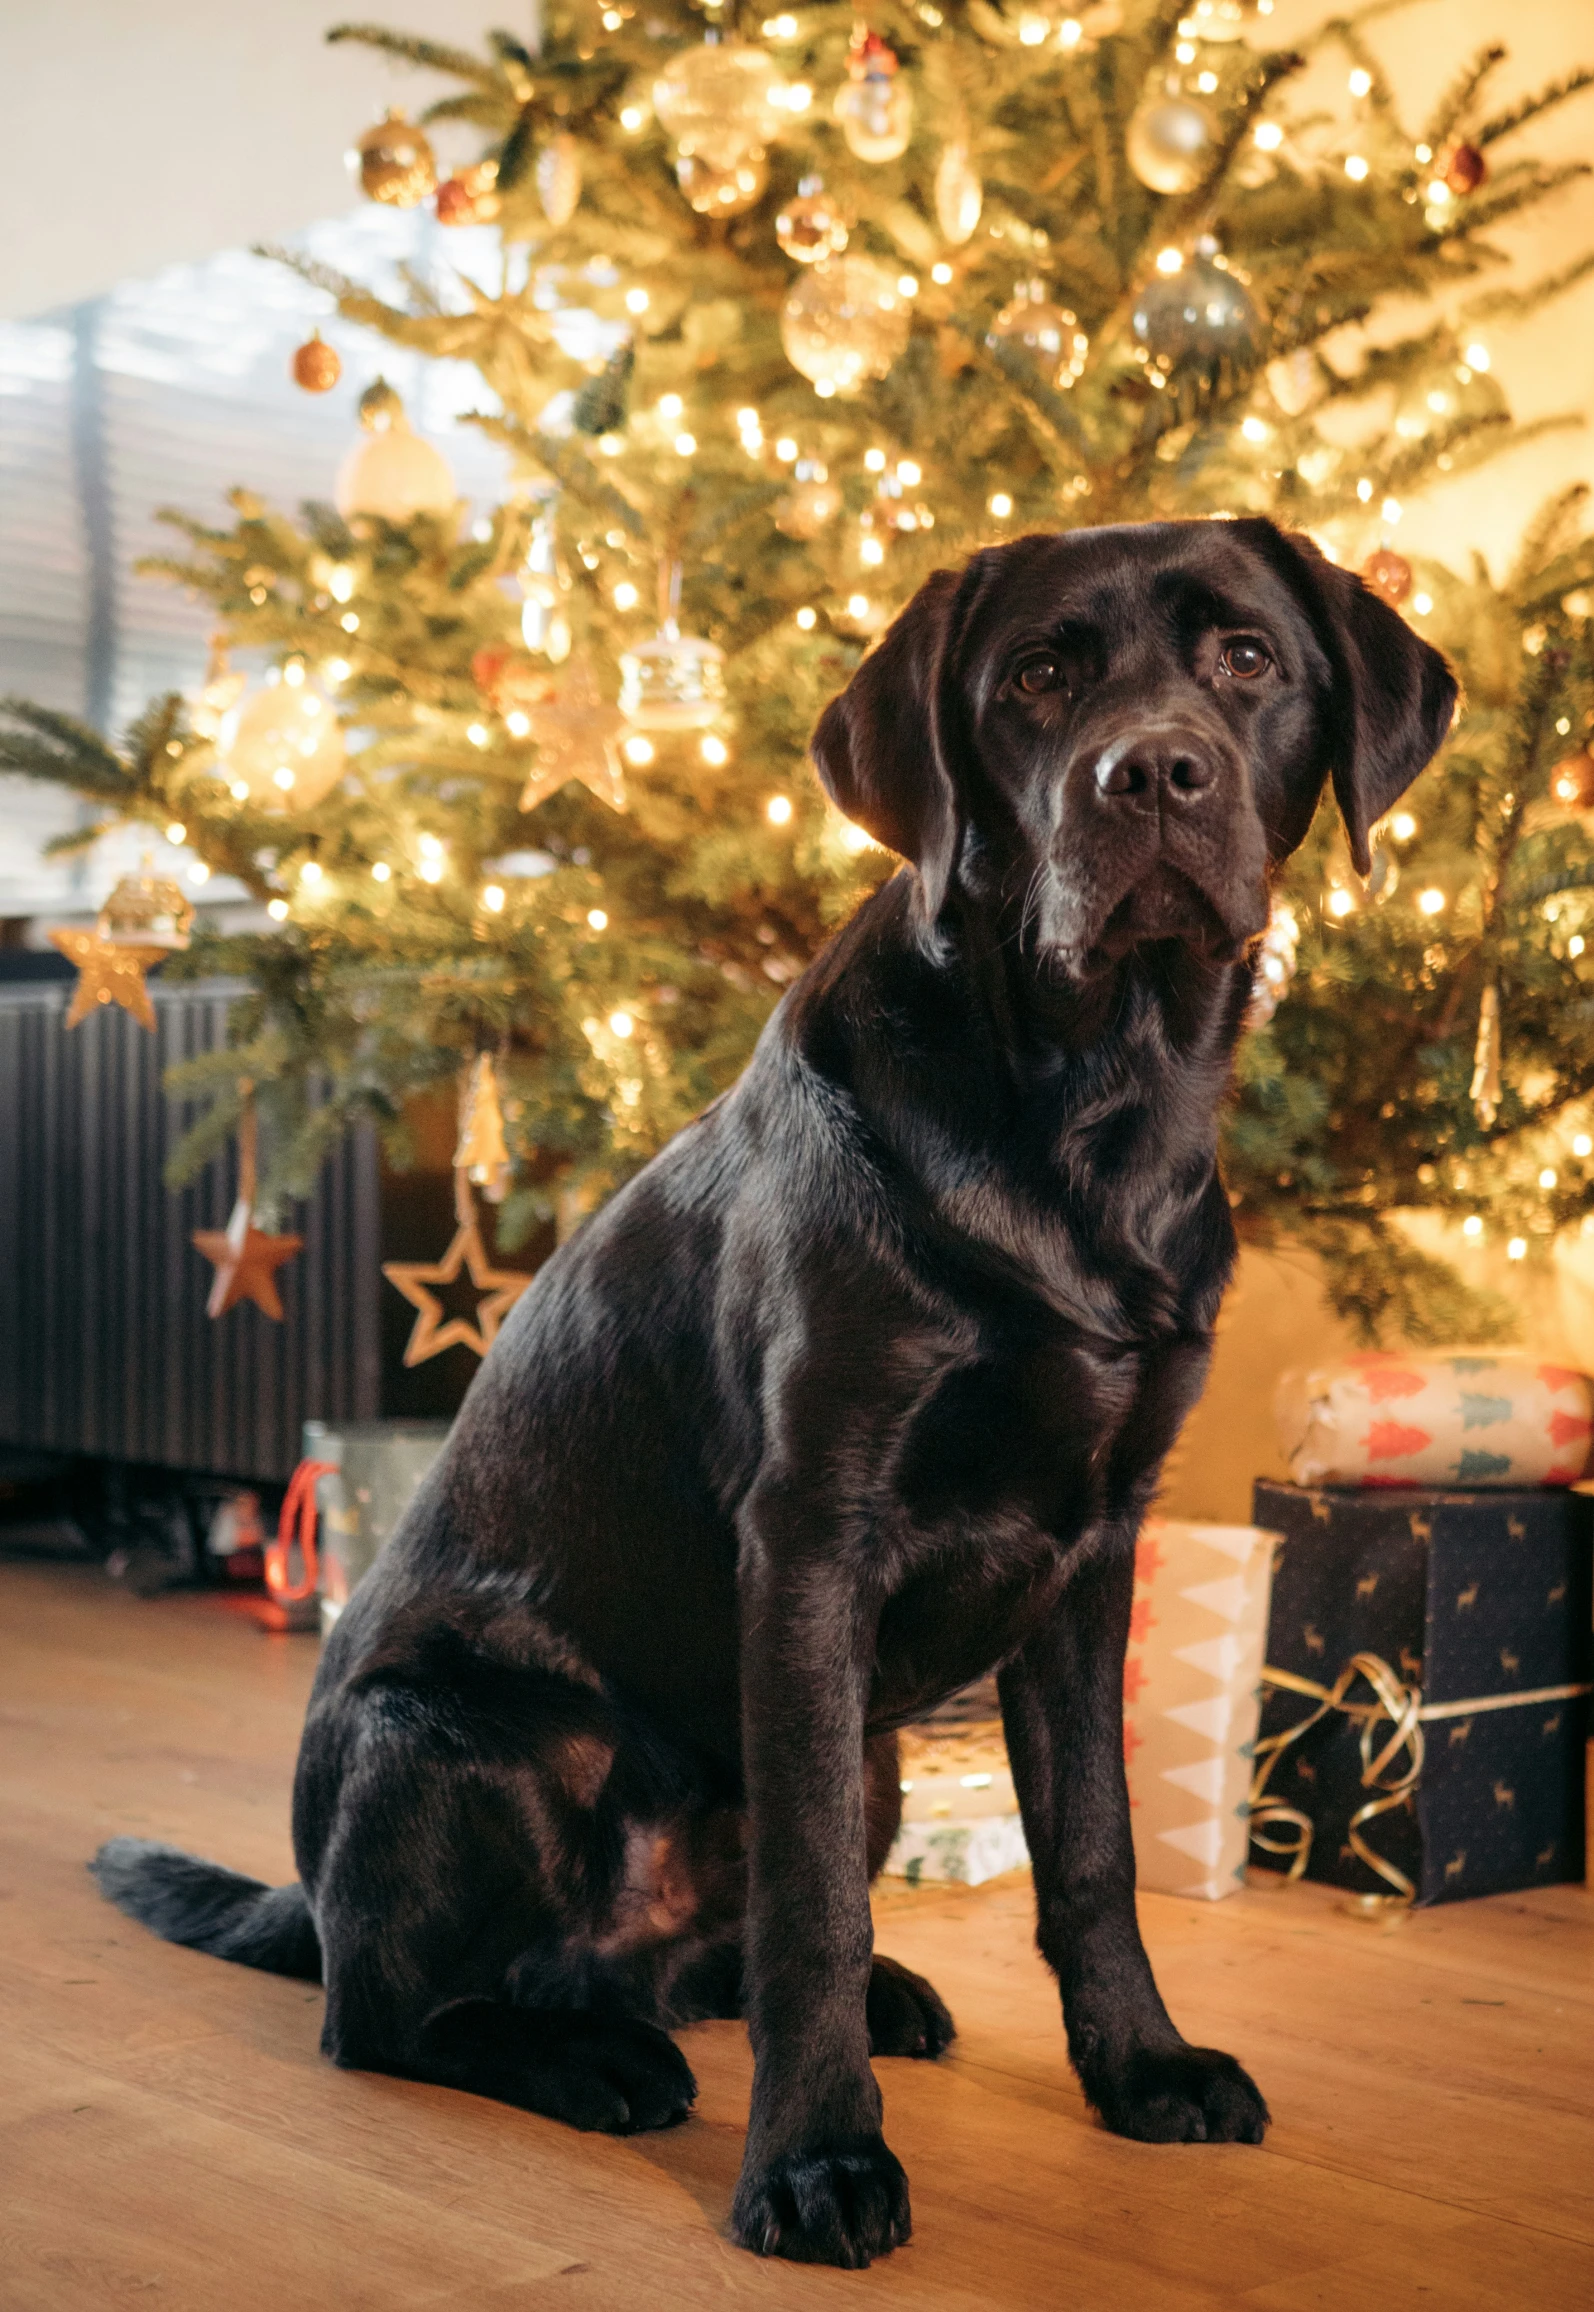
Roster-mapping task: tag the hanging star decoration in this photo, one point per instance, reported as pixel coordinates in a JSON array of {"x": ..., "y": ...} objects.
[
  {"x": 145, "y": 919},
  {"x": 245, "y": 1258},
  {"x": 433, "y": 1331},
  {"x": 575, "y": 733}
]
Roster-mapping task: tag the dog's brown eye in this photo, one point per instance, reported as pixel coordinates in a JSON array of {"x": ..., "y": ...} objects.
[
  {"x": 1244, "y": 659},
  {"x": 1040, "y": 674}
]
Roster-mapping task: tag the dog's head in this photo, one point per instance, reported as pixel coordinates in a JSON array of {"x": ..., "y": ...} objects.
[{"x": 1132, "y": 727}]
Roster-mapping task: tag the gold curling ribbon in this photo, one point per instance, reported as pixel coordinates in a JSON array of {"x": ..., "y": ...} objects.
[{"x": 1403, "y": 1710}]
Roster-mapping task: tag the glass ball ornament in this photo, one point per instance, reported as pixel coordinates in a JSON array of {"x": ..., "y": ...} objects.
[
  {"x": 315, "y": 366},
  {"x": 1389, "y": 575},
  {"x": 1046, "y": 335},
  {"x": 146, "y": 910},
  {"x": 1572, "y": 781},
  {"x": 1447, "y": 395},
  {"x": 395, "y": 162},
  {"x": 846, "y": 321},
  {"x": 470, "y": 196},
  {"x": 391, "y": 472},
  {"x": 1172, "y": 141},
  {"x": 723, "y": 192},
  {"x": 676, "y": 682},
  {"x": 281, "y": 750},
  {"x": 1200, "y": 320},
  {"x": 959, "y": 195},
  {"x": 719, "y": 101},
  {"x": 810, "y": 505},
  {"x": 558, "y": 178},
  {"x": 874, "y": 104},
  {"x": 811, "y": 226}
]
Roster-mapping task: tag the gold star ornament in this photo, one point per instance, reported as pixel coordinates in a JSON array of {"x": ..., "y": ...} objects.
[
  {"x": 246, "y": 1260},
  {"x": 108, "y": 971},
  {"x": 576, "y": 733},
  {"x": 433, "y": 1332}
]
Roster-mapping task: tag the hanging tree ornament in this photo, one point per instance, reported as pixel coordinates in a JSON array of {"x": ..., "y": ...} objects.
[
  {"x": 145, "y": 919},
  {"x": 576, "y": 733},
  {"x": 1572, "y": 781},
  {"x": 391, "y": 472},
  {"x": 676, "y": 682},
  {"x": 845, "y": 321},
  {"x": 1447, "y": 395},
  {"x": 1389, "y": 575},
  {"x": 498, "y": 1289},
  {"x": 315, "y": 365},
  {"x": 1464, "y": 169},
  {"x": 811, "y": 226},
  {"x": 482, "y": 1152},
  {"x": 723, "y": 192},
  {"x": 812, "y": 502},
  {"x": 219, "y": 694},
  {"x": 395, "y": 162},
  {"x": 558, "y": 178},
  {"x": 470, "y": 196},
  {"x": 1047, "y": 337},
  {"x": 1485, "y": 1090},
  {"x": 874, "y": 104},
  {"x": 1200, "y": 323},
  {"x": 544, "y": 582},
  {"x": 720, "y": 102},
  {"x": 281, "y": 750},
  {"x": 959, "y": 195},
  {"x": 1173, "y": 138},
  {"x": 244, "y": 1257},
  {"x": 510, "y": 680}
]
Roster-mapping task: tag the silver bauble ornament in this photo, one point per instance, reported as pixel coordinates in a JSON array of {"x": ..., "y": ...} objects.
[
  {"x": 1201, "y": 321},
  {"x": 719, "y": 101},
  {"x": 1172, "y": 141},
  {"x": 674, "y": 683},
  {"x": 845, "y": 321}
]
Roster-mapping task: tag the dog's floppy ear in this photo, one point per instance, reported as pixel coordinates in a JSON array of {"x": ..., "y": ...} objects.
[
  {"x": 880, "y": 748},
  {"x": 1393, "y": 694}
]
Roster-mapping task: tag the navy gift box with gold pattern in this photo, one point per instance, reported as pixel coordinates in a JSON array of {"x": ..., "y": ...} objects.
[{"x": 1435, "y": 1649}]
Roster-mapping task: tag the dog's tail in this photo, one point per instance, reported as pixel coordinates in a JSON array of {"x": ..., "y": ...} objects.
[{"x": 209, "y": 1908}]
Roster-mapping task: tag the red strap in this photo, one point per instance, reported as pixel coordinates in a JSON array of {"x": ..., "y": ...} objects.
[{"x": 298, "y": 1504}]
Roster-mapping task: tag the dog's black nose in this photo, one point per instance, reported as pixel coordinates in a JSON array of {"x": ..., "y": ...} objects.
[{"x": 1173, "y": 761}]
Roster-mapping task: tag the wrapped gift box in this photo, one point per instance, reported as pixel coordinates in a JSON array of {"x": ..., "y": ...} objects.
[
  {"x": 1472, "y": 1417},
  {"x": 1469, "y": 1617},
  {"x": 376, "y": 1468},
  {"x": 1191, "y": 1681}
]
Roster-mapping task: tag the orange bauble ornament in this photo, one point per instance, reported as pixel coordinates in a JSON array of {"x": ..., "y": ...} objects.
[
  {"x": 509, "y": 678},
  {"x": 1464, "y": 168},
  {"x": 470, "y": 196},
  {"x": 316, "y": 365},
  {"x": 1389, "y": 575},
  {"x": 1572, "y": 781}
]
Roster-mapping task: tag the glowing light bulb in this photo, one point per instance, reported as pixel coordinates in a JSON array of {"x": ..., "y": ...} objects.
[
  {"x": 340, "y": 584},
  {"x": 430, "y": 870},
  {"x": 632, "y": 118},
  {"x": 908, "y": 284},
  {"x": 871, "y": 551},
  {"x": 477, "y": 734},
  {"x": 857, "y": 605},
  {"x": 874, "y": 461},
  {"x": 778, "y": 810},
  {"x": 493, "y": 898},
  {"x": 1583, "y": 1145},
  {"x": 1364, "y": 489},
  {"x": 1341, "y": 903},
  {"x": 685, "y": 444},
  {"x": 239, "y": 790},
  {"x": 1269, "y": 135},
  {"x": 381, "y": 872},
  {"x": 670, "y": 407},
  {"x": 1391, "y": 509},
  {"x": 1476, "y": 356},
  {"x": 1361, "y": 82},
  {"x": 199, "y": 872},
  {"x": 1574, "y": 946},
  {"x": 177, "y": 832},
  {"x": 636, "y": 301},
  {"x": 621, "y": 1024},
  {"x": 1403, "y": 826},
  {"x": 785, "y": 449},
  {"x": 638, "y": 750},
  {"x": 350, "y": 622},
  {"x": 517, "y": 723},
  {"x": 337, "y": 670},
  {"x": 714, "y": 750},
  {"x": 1431, "y": 901},
  {"x": 277, "y": 909},
  {"x": 1254, "y": 429},
  {"x": 312, "y": 872},
  {"x": 282, "y": 777},
  {"x": 1547, "y": 1177},
  {"x": 1422, "y": 604},
  {"x": 1001, "y": 505},
  {"x": 908, "y": 473},
  {"x": 1355, "y": 167},
  {"x": 855, "y": 838},
  {"x": 1517, "y": 1249},
  {"x": 1170, "y": 260},
  {"x": 597, "y": 920},
  {"x": 807, "y": 619},
  {"x": 1472, "y": 1225},
  {"x": 625, "y": 595},
  {"x": 941, "y": 274}
]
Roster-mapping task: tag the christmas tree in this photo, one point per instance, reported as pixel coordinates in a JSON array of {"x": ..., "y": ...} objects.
[{"x": 774, "y": 317}]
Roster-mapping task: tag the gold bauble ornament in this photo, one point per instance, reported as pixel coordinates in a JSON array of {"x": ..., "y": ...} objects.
[
  {"x": 281, "y": 750},
  {"x": 727, "y": 192},
  {"x": 1047, "y": 335},
  {"x": 396, "y": 163},
  {"x": 470, "y": 196},
  {"x": 959, "y": 195},
  {"x": 811, "y": 226},
  {"x": 846, "y": 321},
  {"x": 1172, "y": 141},
  {"x": 558, "y": 176},
  {"x": 1389, "y": 575},
  {"x": 315, "y": 364},
  {"x": 391, "y": 472},
  {"x": 147, "y": 910},
  {"x": 718, "y": 102},
  {"x": 1572, "y": 781},
  {"x": 874, "y": 104}
]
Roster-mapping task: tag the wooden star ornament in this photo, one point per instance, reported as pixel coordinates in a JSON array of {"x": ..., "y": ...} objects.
[
  {"x": 109, "y": 971},
  {"x": 576, "y": 731},
  {"x": 246, "y": 1260},
  {"x": 432, "y": 1332}
]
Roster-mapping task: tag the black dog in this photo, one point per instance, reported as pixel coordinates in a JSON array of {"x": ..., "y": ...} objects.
[{"x": 859, "y": 1389}]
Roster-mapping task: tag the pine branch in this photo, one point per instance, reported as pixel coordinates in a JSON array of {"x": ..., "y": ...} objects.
[
  {"x": 50, "y": 745},
  {"x": 1518, "y": 115},
  {"x": 429, "y": 55},
  {"x": 1513, "y": 304},
  {"x": 1459, "y": 95}
]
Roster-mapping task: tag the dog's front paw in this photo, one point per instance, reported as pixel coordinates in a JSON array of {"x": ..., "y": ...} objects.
[
  {"x": 907, "y": 2015},
  {"x": 1180, "y": 2095},
  {"x": 841, "y": 2202}
]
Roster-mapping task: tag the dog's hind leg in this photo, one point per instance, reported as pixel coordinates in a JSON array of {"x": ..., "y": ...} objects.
[{"x": 463, "y": 1894}]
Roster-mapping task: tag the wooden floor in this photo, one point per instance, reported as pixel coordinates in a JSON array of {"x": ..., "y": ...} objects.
[{"x": 169, "y": 2136}]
